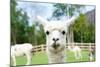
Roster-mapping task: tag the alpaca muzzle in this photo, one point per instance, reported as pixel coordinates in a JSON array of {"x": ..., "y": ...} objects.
[{"x": 55, "y": 46}]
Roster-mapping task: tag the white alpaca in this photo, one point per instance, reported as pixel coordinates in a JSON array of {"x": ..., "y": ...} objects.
[
  {"x": 76, "y": 50},
  {"x": 20, "y": 50},
  {"x": 56, "y": 38}
]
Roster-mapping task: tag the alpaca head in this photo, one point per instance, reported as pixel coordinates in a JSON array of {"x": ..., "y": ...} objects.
[{"x": 56, "y": 32}]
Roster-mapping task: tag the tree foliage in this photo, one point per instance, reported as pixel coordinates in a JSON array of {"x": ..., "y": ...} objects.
[
  {"x": 83, "y": 30},
  {"x": 19, "y": 24},
  {"x": 66, "y": 10},
  {"x": 21, "y": 32}
]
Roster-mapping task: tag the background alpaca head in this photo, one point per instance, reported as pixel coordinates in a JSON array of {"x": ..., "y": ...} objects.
[{"x": 56, "y": 32}]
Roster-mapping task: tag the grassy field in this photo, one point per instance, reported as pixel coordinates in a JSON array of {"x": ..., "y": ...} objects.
[{"x": 41, "y": 58}]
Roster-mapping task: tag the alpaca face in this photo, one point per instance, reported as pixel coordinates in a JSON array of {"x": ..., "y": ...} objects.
[
  {"x": 55, "y": 35},
  {"x": 56, "y": 32}
]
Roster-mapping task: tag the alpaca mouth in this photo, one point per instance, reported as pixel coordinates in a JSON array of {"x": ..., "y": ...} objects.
[{"x": 55, "y": 46}]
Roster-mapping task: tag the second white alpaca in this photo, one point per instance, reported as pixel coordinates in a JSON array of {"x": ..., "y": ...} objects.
[
  {"x": 76, "y": 50},
  {"x": 20, "y": 50},
  {"x": 56, "y": 38}
]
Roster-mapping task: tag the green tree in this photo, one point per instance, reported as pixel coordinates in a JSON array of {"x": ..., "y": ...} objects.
[
  {"x": 41, "y": 36},
  {"x": 13, "y": 21},
  {"x": 66, "y": 10},
  {"x": 83, "y": 30},
  {"x": 19, "y": 24}
]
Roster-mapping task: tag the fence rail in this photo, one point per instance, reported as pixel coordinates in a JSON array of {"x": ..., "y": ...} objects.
[{"x": 83, "y": 46}]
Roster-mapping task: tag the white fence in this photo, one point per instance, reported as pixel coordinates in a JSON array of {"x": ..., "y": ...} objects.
[{"x": 83, "y": 46}]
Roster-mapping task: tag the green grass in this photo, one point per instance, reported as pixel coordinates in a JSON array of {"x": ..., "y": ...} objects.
[
  {"x": 71, "y": 57},
  {"x": 38, "y": 58},
  {"x": 41, "y": 58}
]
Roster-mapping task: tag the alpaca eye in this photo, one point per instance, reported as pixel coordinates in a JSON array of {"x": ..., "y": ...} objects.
[
  {"x": 47, "y": 32},
  {"x": 63, "y": 32}
]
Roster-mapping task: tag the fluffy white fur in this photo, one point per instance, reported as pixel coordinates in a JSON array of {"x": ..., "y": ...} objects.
[
  {"x": 20, "y": 50},
  {"x": 76, "y": 50},
  {"x": 56, "y": 38}
]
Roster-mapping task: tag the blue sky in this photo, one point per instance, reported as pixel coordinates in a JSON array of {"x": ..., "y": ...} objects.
[
  {"x": 33, "y": 9},
  {"x": 43, "y": 9}
]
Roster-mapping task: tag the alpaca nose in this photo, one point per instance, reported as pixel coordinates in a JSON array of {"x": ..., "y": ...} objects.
[{"x": 55, "y": 39}]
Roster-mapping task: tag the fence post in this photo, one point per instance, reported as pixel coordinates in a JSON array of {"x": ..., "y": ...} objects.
[{"x": 42, "y": 48}]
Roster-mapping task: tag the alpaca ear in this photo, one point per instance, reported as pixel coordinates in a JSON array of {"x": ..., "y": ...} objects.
[
  {"x": 41, "y": 20},
  {"x": 71, "y": 20}
]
